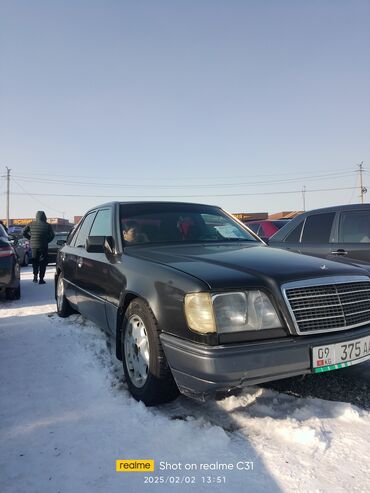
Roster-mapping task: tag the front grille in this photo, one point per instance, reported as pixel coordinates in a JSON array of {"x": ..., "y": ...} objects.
[{"x": 327, "y": 307}]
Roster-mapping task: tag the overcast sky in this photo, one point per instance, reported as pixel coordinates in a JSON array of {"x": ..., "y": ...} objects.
[{"x": 206, "y": 101}]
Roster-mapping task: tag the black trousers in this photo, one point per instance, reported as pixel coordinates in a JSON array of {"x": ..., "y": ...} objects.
[{"x": 39, "y": 261}]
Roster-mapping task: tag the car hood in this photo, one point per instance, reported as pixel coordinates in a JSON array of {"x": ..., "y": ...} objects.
[{"x": 240, "y": 264}]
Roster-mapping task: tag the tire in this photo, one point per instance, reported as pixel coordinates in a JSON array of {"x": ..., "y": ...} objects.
[
  {"x": 13, "y": 293},
  {"x": 64, "y": 309},
  {"x": 26, "y": 260},
  {"x": 147, "y": 373}
]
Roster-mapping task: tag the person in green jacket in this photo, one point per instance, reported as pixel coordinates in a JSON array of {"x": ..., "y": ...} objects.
[{"x": 40, "y": 234}]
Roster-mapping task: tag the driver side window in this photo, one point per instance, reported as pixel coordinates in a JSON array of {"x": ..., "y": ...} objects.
[{"x": 103, "y": 224}]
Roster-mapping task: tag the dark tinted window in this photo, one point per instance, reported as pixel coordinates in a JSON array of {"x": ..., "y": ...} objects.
[
  {"x": 295, "y": 235},
  {"x": 84, "y": 230},
  {"x": 103, "y": 224},
  {"x": 354, "y": 227},
  {"x": 317, "y": 228}
]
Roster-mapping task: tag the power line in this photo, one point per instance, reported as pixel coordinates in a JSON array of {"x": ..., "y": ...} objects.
[
  {"x": 223, "y": 185},
  {"x": 32, "y": 196},
  {"x": 190, "y": 195},
  {"x": 134, "y": 167},
  {"x": 353, "y": 191}
]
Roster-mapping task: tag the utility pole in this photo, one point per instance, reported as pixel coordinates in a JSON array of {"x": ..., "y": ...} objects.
[
  {"x": 7, "y": 195},
  {"x": 363, "y": 189},
  {"x": 304, "y": 197}
]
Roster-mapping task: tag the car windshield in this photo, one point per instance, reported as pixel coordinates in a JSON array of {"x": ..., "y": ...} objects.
[{"x": 179, "y": 223}]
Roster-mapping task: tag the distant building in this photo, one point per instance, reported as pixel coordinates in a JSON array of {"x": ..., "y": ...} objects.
[
  {"x": 285, "y": 215},
  {"x": 261, "y": 216},
  {"x": 59, "y": 224},
  {"x": 251, "y": 216}
]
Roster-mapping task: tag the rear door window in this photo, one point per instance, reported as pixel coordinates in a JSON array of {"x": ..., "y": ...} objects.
[
  {"x": 354, "y": 227},
  {"x": 317, "y": 228}
]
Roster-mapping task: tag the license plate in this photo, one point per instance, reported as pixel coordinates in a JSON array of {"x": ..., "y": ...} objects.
[{"x": 341, "y": 355}]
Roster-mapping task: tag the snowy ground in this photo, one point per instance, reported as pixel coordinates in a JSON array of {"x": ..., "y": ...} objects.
[{"x": 66, "y": 417}]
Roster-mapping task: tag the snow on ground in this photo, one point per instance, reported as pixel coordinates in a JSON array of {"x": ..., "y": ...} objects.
[{"x": 66, "y": 416}]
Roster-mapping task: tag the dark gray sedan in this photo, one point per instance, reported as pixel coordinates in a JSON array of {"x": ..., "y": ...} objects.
[{"x": 197, "y": 303}]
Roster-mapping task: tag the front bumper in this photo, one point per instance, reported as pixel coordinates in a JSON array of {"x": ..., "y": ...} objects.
[{"x": 201, "y": 371}]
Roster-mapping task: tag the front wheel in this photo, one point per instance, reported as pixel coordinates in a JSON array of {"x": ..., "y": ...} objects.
[
  {"x": 148, "y": 375},
  {"x": 64, "y": 309}
]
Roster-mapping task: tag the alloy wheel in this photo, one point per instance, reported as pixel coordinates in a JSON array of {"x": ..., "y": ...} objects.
[{"x": 136, "y": 346}]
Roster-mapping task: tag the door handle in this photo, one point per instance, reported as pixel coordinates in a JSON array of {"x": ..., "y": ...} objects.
[
  {"x": 340, "y": 251},
  {"x": 80, "y": 261}
]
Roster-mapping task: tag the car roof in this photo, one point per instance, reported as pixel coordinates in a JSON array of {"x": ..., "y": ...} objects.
[
  {"x": 149, "y": 202},
  {"x": 335, "y": 208}
]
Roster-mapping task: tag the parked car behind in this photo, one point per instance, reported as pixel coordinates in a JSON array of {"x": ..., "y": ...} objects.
[
  {"x": 21, "y": 248},
  {"x": 20, "y": 244},
  {"x": 55, "y": 245},
  {"x": 341, "y": 232},
  {"x": 266, "y": 228},
  {"x": 16, "y": 231},
  {"x": 9, "y": 268},
  {"x": 197, "y": 303},
  {"x": 28, "y": 250}
]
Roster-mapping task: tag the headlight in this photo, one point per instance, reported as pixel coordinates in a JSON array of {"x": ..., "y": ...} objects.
[
  {"x": 230, "y": 312},
  {"x": 199, "y": 312}
]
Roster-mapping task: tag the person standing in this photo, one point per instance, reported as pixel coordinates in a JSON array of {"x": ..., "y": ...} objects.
[{"x": 40, "y": 234}]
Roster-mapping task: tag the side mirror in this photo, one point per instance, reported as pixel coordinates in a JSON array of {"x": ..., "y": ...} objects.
[
  {"x": 100, "y": 244},
  {"x": 95, "y": 244},
  {"x": 61, "y": 242}
]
